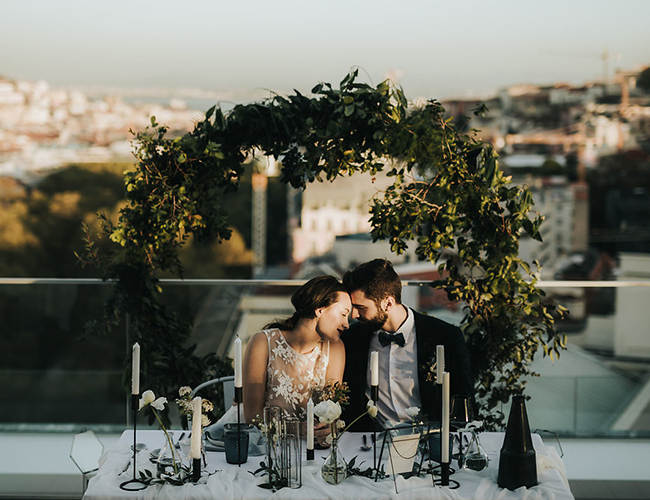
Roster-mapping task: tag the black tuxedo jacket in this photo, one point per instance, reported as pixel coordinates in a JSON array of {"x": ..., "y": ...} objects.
[{"x": 429, "y": 333}]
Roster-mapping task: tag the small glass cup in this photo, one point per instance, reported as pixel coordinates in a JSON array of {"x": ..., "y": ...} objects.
[{"x": 236, "y": 444}]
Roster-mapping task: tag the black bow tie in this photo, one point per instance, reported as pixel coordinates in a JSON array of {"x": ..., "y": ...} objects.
[{"x": 385, "y": 339}]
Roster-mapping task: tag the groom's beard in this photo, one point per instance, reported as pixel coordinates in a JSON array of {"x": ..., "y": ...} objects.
[{"x": 378, "y": 321}]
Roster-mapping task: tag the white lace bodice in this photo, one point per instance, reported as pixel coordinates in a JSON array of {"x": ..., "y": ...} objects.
[{"x": 290, "y": 376}]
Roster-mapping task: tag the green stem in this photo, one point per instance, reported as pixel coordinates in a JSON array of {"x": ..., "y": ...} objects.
[
  {"x": 169, "y": 440},
  {"x": 352, "y": 423}
]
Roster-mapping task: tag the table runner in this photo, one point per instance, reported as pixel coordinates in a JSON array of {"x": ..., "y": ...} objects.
[{"x": 229, "y": 482}]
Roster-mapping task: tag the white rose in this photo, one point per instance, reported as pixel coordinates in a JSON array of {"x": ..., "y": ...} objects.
[
  {"x": 327, "y": 411},
  {"x": 147, "y": 398},
  {"x": 372, "y": 409},
  {"x": 412, "y": 411}
]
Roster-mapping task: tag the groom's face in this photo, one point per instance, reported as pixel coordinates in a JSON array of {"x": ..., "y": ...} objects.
[{"x": 367, "y": 311}]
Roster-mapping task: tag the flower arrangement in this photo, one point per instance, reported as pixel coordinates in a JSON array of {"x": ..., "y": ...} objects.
[
  {"x": 155, "y": 405},
  {"x": 148, "y": 401},
  {"x": 333, "y": 397},
  {"x": 184, "y": 402},
  {"x": 329, "y": 411}
]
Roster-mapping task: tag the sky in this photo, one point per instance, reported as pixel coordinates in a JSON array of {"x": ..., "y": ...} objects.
[{"x": 435, "y": 48}]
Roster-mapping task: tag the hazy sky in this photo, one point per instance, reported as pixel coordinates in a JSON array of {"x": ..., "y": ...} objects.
[{"x": 438, "y": 48}]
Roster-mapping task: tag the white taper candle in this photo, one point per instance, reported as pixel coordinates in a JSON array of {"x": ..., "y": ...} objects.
[
  {"x": 440, "y": 363},
  {"x": 195, "y": 446},
  {"x": 135, "y": 369},
  {"x": 310, "y": 424},
  {"x": 374, "y": 368},
  {"x": 238, "y": 363},
  {"x": 444, "y": 452}
]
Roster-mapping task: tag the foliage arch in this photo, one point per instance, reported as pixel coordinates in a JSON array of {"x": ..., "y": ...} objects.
[{"x": 448, "y": 194}]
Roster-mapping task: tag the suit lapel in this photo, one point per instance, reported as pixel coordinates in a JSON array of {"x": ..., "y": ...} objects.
[{"x": 426, "y": 347}]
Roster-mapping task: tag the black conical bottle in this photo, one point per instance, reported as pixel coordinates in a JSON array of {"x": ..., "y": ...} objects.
[{"x": 517, "y": 462}]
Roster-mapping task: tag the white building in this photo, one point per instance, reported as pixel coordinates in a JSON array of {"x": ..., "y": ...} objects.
[
  {"x": 565, "y": 227},
  {"x": 331, "y": 209}
]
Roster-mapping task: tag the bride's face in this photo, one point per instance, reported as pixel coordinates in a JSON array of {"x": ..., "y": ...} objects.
[{"x": 332, "y": 321}]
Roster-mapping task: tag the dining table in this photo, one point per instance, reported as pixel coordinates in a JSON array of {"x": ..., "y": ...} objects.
[{"x": 223, "y": 481}]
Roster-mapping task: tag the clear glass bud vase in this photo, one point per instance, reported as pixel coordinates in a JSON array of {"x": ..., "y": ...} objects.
[
  {"x": 476, "y": 458},
  {"x": 334, "y": 470}
]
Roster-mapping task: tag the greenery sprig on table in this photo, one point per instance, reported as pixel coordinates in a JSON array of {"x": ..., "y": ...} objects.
[{"x": 449, "y": 196}]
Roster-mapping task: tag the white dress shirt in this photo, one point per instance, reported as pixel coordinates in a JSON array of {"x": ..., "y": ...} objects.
[{"x": 399, "y": 388}]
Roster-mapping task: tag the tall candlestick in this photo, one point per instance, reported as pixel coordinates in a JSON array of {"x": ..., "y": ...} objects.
[
  {"x": 444, "y": 452},
  {"x": 135, "y": 369},
  {"x": 440, "y": 363},
  {"x": 195, "y": 446},
  {"x": 310, "y": 430},
  {"x": 238, "y": 363}
]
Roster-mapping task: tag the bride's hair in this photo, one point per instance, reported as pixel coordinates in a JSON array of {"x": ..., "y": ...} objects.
[{"x": 318, "y": 292}]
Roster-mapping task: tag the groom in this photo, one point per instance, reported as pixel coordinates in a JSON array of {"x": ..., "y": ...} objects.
[{"x": 406, "y": 342}]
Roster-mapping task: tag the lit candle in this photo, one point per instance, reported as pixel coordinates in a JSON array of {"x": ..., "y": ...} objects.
[
  {"x": 135, "y": 369},
  {"x": 238, "y": 371},
  {"x": 440, "y": 363},
  {"x": 195, "y": 449},
  {"x": 374, "y": 368},
  {"x": 444, "y": 452},
  {"x": 310, "y": 424}
]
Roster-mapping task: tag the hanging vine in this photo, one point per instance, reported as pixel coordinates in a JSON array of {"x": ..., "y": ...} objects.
[{"x": 448, "y": 195}]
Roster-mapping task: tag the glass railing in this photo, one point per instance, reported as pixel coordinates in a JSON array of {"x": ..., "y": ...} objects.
[{"x": 55, "y": 378}]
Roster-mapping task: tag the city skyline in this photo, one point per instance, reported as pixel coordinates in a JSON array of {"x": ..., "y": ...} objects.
[{"x": 434, "y": 49}]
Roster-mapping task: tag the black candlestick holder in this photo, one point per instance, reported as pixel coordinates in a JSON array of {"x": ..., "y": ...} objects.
[
  {"x": 134, "y": 484},
  {"x": 196, "y": 469},
  {"x": 374, "y": 395},
  {"x": 239, "y": 399},
  {"x": 444, "y": 480}
]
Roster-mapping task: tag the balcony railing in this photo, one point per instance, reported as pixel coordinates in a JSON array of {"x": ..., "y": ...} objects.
[{"x": 53, "y": 377}]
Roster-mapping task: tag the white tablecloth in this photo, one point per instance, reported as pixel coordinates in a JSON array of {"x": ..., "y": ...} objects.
[{"x": 232, "y": 482}]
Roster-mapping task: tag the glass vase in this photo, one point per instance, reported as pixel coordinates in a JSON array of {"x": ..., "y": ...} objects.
[
  {"x": 168, "y": 459},
  {"x": 475, "y": 458},
  {"x": 292, "y": 451},
  {"x": 273, "y": 428},
  {"x": 334, "y": 470}
]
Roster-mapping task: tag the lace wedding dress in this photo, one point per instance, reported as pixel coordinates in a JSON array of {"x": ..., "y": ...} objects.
[{"x": 291, "y": 377}]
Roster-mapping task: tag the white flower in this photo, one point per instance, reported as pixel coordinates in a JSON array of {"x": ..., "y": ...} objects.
[
  {"x": 340, "y": 424},
  {"x": 149, "y": 398},
  {"x": 327, "y": 411},
  {"x": 412, "y": 411},
  {"x": 372, "y": 409},
  {"x": 205, "y": 421},
  {"x": 184, "y": 391},
  {"x": 329, "y": 439},
  {"x": 159, "y": 404}
]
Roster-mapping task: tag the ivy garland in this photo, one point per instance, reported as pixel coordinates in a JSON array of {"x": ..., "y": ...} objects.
[{"x": 448, "y": 195}]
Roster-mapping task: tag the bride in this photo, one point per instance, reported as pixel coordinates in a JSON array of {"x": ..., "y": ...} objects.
[{"x": 288, "y": 360}]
